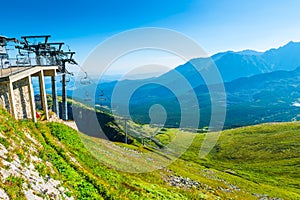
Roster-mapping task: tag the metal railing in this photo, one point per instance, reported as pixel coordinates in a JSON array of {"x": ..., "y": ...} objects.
[{"x": 10, "y": 66}]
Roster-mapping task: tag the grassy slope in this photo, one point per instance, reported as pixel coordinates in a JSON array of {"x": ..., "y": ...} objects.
[
  {"x": 250, "y": 159},
  {"x": 262, "y": 159},
  {"x": 267, "y": 155}
]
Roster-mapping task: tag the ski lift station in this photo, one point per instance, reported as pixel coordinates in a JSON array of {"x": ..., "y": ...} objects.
[{"x": 23, "y": 59}]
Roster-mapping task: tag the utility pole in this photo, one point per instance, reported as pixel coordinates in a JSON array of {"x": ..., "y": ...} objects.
[
  {"x": 126, "y": 131},
  {"x": 125, "y": 127}
]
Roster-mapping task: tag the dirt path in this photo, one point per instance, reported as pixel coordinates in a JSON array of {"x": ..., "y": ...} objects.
[{"x": 71, "y": 124}]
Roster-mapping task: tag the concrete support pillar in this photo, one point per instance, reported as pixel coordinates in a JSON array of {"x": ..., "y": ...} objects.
[
  {"x": 54, "y": 96},
  {"x": 31, "y": 99},
  {"x": 43, "y": 94},
  {"x": 11, "y": 100}
]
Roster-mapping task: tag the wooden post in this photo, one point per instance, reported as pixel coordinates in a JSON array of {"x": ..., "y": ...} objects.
[
  {"x": 43, "y": 94},
  {"x": 11, "y": 100},
  {"x": 31, "y": 99}
]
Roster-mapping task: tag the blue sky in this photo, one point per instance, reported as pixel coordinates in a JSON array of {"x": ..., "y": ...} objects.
[{"x": 217, "y": 25}]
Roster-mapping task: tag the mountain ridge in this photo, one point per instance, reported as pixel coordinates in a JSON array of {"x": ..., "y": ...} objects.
[
  {"x": 233, "y": 65},
  {"x": 251, "y": 100}
]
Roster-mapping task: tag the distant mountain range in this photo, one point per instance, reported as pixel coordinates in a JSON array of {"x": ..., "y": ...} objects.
[
  {"x": 260, "y": 87},
  {"x": 234, "y": 65},
  {"x": 269, "y": 97}
]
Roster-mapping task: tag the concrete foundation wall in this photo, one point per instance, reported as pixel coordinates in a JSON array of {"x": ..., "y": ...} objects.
[
  {"x": 22, "y": 99},
  {"x": 4, "y": 99}
]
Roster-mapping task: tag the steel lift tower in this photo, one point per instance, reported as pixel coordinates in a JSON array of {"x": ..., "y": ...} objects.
[{"x": 51, "y": 54}]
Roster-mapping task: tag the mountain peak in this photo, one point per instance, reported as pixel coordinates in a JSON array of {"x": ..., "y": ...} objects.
[
  {"x": 249, "y": 52},
  {"x": 286, "y": 47},
  {"x": 292, "y": 43}
]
